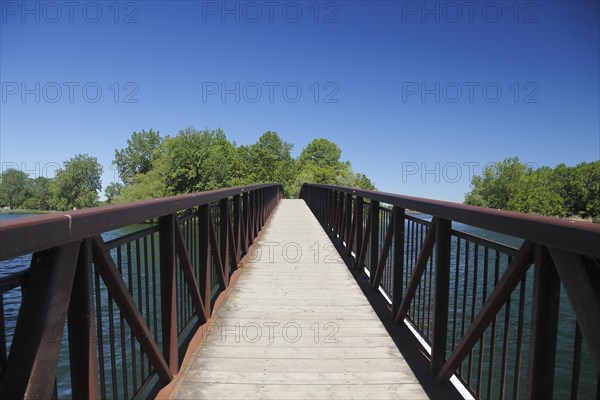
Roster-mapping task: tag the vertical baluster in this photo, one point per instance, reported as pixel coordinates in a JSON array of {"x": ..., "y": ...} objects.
[
  {"x": 442, "y": 287},
  {"x": 482, "y": 340},
  {"x": 519, "y": 342},
  {"x": 168, "y": 290},
  {"x": 204, "y": 281},
  {"x": 348, "y": 209},
  {"x": 374, "y": 241},
  {"x": 82, "y": 338},
  {"x": 224, "y": 236},
  {"x": 237, "y": 230},
  {"x": 359, "y": 210},
  {"x": 544, "y": 323},
  {"x": 456, "y": 277},
  {"x": 576, "y": 364}
]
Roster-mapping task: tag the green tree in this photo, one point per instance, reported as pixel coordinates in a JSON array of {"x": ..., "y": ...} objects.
[
  {"x": 138, "y": 156},
  {"x": 538, "y": 194},
  {"x": 144, "y": 186},
  {"x": 112, "y": 191},
  {"x": 270, "y": 160},
  {"x": 77, "y": 184},
  {"x": 40, "y": 196},
  {"x": 14, "y": 188},
  {"x": 319, "y": 162},
  {"x": 194, "y": 161},
  {"x": 563, "y": 191},
  {"x": 321, "y": 153},
  {"x": 498, "y": 186}
]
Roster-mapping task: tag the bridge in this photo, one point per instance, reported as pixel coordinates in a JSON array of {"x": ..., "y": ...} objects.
[{"x": 344, "y": 293}]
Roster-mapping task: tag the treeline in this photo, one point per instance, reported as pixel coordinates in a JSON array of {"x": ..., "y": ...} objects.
[
  {"x": 75, "y": 185},
  {"x": 152, "y": 166},
  {"x": 562, "y": 191}
]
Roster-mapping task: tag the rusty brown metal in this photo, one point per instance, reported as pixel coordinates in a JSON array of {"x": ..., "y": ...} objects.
[
  {"x": 360, "y": 260},
  {"x": 443, "y": 229},
  {"x": 581, "y": 280},
  {"x": 82, "y": 329},
  {"x": 30, "y": 234},
  {"x": 188, "y": 273},
  {"x": 398, "y": 258},
  {"x": 574, "y": 261},
  {"x": 544, "y": 326},
  {"x": 214, "y": 249},
  {"x": 224, "y": 233},
  {"x": 571, "y": 236},
  {"x": 359, "y": 223},
  {"x": 420, "y": 266},
  {"x": 237, "y": 228},
  {"x": 350, "y": 245},
  {"x": 168, "y": 288},
  {"x": 374, "y": 240},
  {"x": 31, "y": 367},
  {"x": 118, "y": 290},
  {"x": 47, "y": 285},
  {"x": 385, "y": 251},
  {"x": 511, "y": 278},
  {"x": 204, "y": 257}
]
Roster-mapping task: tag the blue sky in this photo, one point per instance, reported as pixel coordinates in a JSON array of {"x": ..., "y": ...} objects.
[{"x": 418, "y": 95}]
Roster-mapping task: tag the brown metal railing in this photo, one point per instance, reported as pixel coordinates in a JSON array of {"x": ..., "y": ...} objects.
[
  {"x": 131, "y": 302},
  {"x": 509, "y": 321}
]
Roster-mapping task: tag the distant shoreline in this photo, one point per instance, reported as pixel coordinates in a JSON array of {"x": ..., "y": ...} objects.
[{"x": 25, "y": 211}]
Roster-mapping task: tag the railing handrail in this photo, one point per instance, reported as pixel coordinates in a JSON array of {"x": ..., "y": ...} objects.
[
  {"x": 77, "y": 279},
  {"x": 418, "y": 269},
  {"x": 26, "y": 235},
  {"x": 572, "y": 236}
]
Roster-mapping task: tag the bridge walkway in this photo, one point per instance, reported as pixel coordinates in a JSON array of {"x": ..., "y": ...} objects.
[{"x": 296, "y": 325}]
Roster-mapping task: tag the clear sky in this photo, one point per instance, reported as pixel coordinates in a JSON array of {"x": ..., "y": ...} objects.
[{"x": 418, "y": 95}]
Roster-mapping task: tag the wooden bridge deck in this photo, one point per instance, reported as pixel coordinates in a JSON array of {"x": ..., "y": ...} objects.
[{"x": 296, "y": 325}]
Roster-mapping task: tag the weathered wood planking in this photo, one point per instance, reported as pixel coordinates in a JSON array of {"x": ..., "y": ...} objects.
[{"x": 295, "y": 326}]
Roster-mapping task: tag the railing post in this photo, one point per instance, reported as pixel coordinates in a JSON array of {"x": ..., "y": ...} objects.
[
  {"x": 168, "y": 290},
  {"x": 82, "y": 329},
  {"x": 340, "y": 216},
  {"x": 224, "y": 237},
  {"x": 398, "y": 260},
  {"x": 204, "y": 257},
  {"x": 32, "y": 363},
  {"x": 348, "y": 218},
  {"x": 374, "y": 241},
  {"x": 237, "y": 230},
  {"x": 331, "y": 210},
  {"x": 359, "y": 215},
  {"x": 442, "y": 288},
  {"x": 251, "y": 216},
  {"x": 544, "y": 326},
  {"x": 246, "y": 219}
]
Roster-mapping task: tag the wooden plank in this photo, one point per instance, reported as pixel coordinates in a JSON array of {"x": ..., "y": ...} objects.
[
  {"x": 283, "y": 392},
  {"x": 262, "y": 342}
]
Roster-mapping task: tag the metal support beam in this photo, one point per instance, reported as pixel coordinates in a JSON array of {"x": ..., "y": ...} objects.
[{"x": 31, "y": 368}]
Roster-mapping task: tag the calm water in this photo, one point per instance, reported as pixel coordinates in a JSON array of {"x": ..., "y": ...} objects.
[{"x": 565, "y": 334}]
